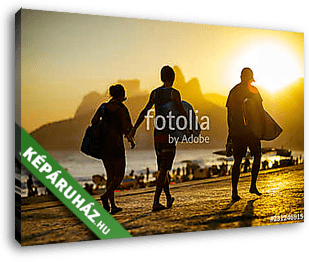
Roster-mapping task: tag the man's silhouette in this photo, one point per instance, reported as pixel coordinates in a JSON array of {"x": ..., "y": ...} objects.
[
  {"x": 240, "y": 137},
  {"x": 165, "y": 151}
]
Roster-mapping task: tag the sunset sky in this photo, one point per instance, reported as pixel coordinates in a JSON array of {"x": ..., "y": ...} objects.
[{"x": 66, "y": 56}]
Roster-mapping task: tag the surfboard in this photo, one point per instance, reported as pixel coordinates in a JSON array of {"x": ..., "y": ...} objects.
[
  {"x": 259, "y": 122},
  {"x": 186, "y": 127}
]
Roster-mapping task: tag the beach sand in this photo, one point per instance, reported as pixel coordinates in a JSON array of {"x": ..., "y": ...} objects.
[{"x": 200, "y": 205}]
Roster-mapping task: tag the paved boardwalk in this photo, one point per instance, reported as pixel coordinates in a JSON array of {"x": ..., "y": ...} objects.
[{"x": 200, "y": 205}]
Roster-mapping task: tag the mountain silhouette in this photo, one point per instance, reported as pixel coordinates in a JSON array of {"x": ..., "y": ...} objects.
[
  {"x": 286, "y": 107},
  {"x": 89, "y": 104}
]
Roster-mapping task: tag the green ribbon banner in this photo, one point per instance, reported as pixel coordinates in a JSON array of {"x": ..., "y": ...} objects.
[{"x": 68, "y": 190}]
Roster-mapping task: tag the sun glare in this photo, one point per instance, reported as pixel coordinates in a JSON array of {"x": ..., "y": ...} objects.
[{"x": 274, "y": 65}]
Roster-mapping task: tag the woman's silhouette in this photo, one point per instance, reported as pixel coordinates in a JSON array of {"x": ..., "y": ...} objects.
[{"x": 114, "y": 120}]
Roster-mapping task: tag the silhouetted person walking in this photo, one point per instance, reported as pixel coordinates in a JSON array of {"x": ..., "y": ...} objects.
[
  {"x": 29, "y": 186},
  {"x": 115, "y": 124},
  {"x": 165, "y": 151},
  {"x": 147, "y": 173},
  {"x": 240, "y": 137}
]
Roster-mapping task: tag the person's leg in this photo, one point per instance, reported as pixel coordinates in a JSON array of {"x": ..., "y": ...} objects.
[
  {"x": 255, "y": 149},
  {"x": 112, "y": 201},
  {"x": 239, "y": 151},
  {"x": 114, "y": 207},
  {"x": 109, "y": 172},
  {"x": 104, "y": 200},
  {"x": 235, "y": 177},
  {"x": 165, "y": 156},
  {"x": 156, "y": 200},
  {"x": 168, "y": 153},
  {"x": 166, "y": 187},
  {"x": 118, "y": 168},
  {"x": 169, "y": 199},
  {"x": 160, "y": 184}
]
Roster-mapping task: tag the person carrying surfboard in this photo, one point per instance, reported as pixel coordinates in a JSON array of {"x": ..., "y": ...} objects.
[
  {"x": 165, "y": 151},
  {"x": 240, "y": 137}
]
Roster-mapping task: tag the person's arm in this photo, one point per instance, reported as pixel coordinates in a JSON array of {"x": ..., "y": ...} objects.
[
  {"x": 229, "y": 119},
  {"x": 126, "y": 125},
  {"x": 142, "y": 115},
  {"x": 229, "y": 114},
  {"x": 229, "y": 142}
]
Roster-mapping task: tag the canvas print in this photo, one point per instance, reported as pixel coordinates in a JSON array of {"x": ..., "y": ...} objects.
[{"x": 170, "y": 127}]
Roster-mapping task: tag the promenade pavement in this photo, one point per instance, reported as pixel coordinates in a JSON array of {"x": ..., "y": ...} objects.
[{"x": 199, "y": 205}]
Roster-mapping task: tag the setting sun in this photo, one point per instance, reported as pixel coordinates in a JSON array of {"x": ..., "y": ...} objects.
[{"x": 274, "y": 64}]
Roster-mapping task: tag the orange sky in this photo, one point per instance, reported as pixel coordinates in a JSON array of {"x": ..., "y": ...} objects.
[{"x": 65, "y": 56}]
